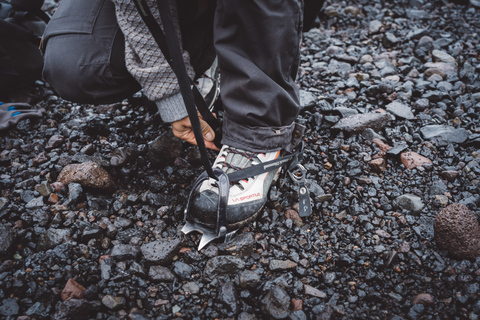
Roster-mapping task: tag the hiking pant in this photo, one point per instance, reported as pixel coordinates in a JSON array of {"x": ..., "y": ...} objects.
[{"x": 256, "y": 42}]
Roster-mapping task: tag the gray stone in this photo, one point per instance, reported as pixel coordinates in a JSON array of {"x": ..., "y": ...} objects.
[
  {"x": 9, "y": 307},
  {"x": 241, "y": 245},
  {"x": 223, "y": 265},
  {"x": 106, "y": 268},
  {"x": 417, "y": 14},
  {"x": 339, "y": 68},
  {"x": 164, "y": 150},
  {"x": 161, "y": 251},
  {"x": 276, "y": 265},
  {"x": 44, "y": 189},
  {"x": 374, "y": 26},
  {"x": 35, "y": 203},
  {"x": 445, "y": 133},
  {"x": 112, "y": 302},
  {"x": 370, "y": 134},
  {"x": 7, "y": 237},
  {"x": 449, "y": 69},
  {"x": 311, "y": 291},
  {"x": 122, "y": 252},
  {"x": 3, "y": 204},
  {"x": 227, "y": 295},
  {"x": 191, "y": 287},
  {"x": 345, "y": 112},
  {"x": 410, "y": 202},
  {"x": 442, "y": 56},
  {"x": 75, "y": 191},
  {"x": 307, "y": 99},
  {"x": 53, "y": 237},
  {"x": 161, "y": 274},
  {"x": 276, "y": 303},
  {"x": 249, "y": 279},
  {"x": 438, "y": 187},
  {"x": 75, "y": 309},
  {"x": 360, "y": 122},
  {"x": 400, "y": 110},
  {"x": 397, "y": 149},
  {"x": 182, "y": 270},
  {"x": 421, "y": 104}
]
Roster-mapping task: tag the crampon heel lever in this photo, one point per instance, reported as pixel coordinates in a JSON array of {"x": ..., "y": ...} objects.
[{"x": 304, "y": 204}]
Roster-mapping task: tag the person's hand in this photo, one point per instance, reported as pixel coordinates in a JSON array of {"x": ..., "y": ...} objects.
[{"x": 183, "y": 129}]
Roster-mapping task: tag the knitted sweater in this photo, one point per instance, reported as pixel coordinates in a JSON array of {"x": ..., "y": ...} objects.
[{"x": 145, "y": 60}]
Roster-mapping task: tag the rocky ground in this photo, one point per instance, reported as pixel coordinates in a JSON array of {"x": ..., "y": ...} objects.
[{"x": 92, "y": 197}]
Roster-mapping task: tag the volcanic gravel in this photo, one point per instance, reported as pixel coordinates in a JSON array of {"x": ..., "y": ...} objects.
[{"x": 92, "y": 197}]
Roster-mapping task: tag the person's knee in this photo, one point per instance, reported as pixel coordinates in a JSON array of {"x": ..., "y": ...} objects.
[{"x": 63, "y": 70}]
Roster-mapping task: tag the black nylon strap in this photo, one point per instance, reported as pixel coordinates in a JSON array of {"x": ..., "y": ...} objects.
[
  {"x": 262, "y": 167},
  {"x": 168, "y": 43}
]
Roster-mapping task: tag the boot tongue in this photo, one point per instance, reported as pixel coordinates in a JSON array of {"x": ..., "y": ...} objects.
[{"x": 237, "y": 160}]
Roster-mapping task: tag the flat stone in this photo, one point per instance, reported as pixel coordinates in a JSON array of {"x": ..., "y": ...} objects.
[
  {"x": 112, "y": 302},
  {"x": 161, "y": 251},
  {"x": 223, "y": 265},
  {"x": 75, "y": 309},
  {"x": 72, "y": 290},
  {"x": 307, "y": 99},
  {"x": 54, "y": 237},
  {"x": 35, "y": 203},
  {"x": 311, "y": 291},
  {"x": 410, "y": 202},
  {"x": 191, "y": 287},
  {"x": 445, "y": 133},
  {"x": 442, "y": 56},
  {"x": 9, "y": 307},
  {"x": 7, "y": 237},
  {"x": 400, "y": 110},
  {"x": 161, "y": 274},
  {"x": 423, "y": 298},
  {"x": 360, "y": 122},
  {"x": 276, "y": 265},
  {"x": 44, "y": 189},
  {"x": 241, "y": 245},
  {"x": 374, "y": 26},
  {"x": 412, "y": 159},
  {"x": 122, "y": 252},
  {"x": 276, "y": 303}
]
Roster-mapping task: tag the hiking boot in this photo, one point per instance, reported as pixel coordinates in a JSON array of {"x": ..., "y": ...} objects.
[{"x": 246, "y": 197}]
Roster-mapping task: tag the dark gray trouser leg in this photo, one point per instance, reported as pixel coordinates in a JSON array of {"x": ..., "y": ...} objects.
[{"x": 257, "y": 42}]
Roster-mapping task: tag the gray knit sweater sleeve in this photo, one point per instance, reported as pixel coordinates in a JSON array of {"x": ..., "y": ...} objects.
[{"x": 145, "y": 60}]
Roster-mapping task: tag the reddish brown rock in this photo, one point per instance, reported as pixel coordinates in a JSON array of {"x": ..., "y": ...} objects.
[
  {"x": 53, "y": 198},
  {"x": 423, "y": 298},
  {"x": 294, "y": 216},
  {"x": 297, "y": 304},
  {"x": 58, "y": 187},
  {"x": 41, "y": 158},
  {"x": 72, "y": 290},
  {"x": 378, "y": 165},
  {"x": 382, "y": 145},
  {"x": 88, "y": 174},
  {"x": 412, "y": 160},
  {"x": 457, "y": 231}
]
